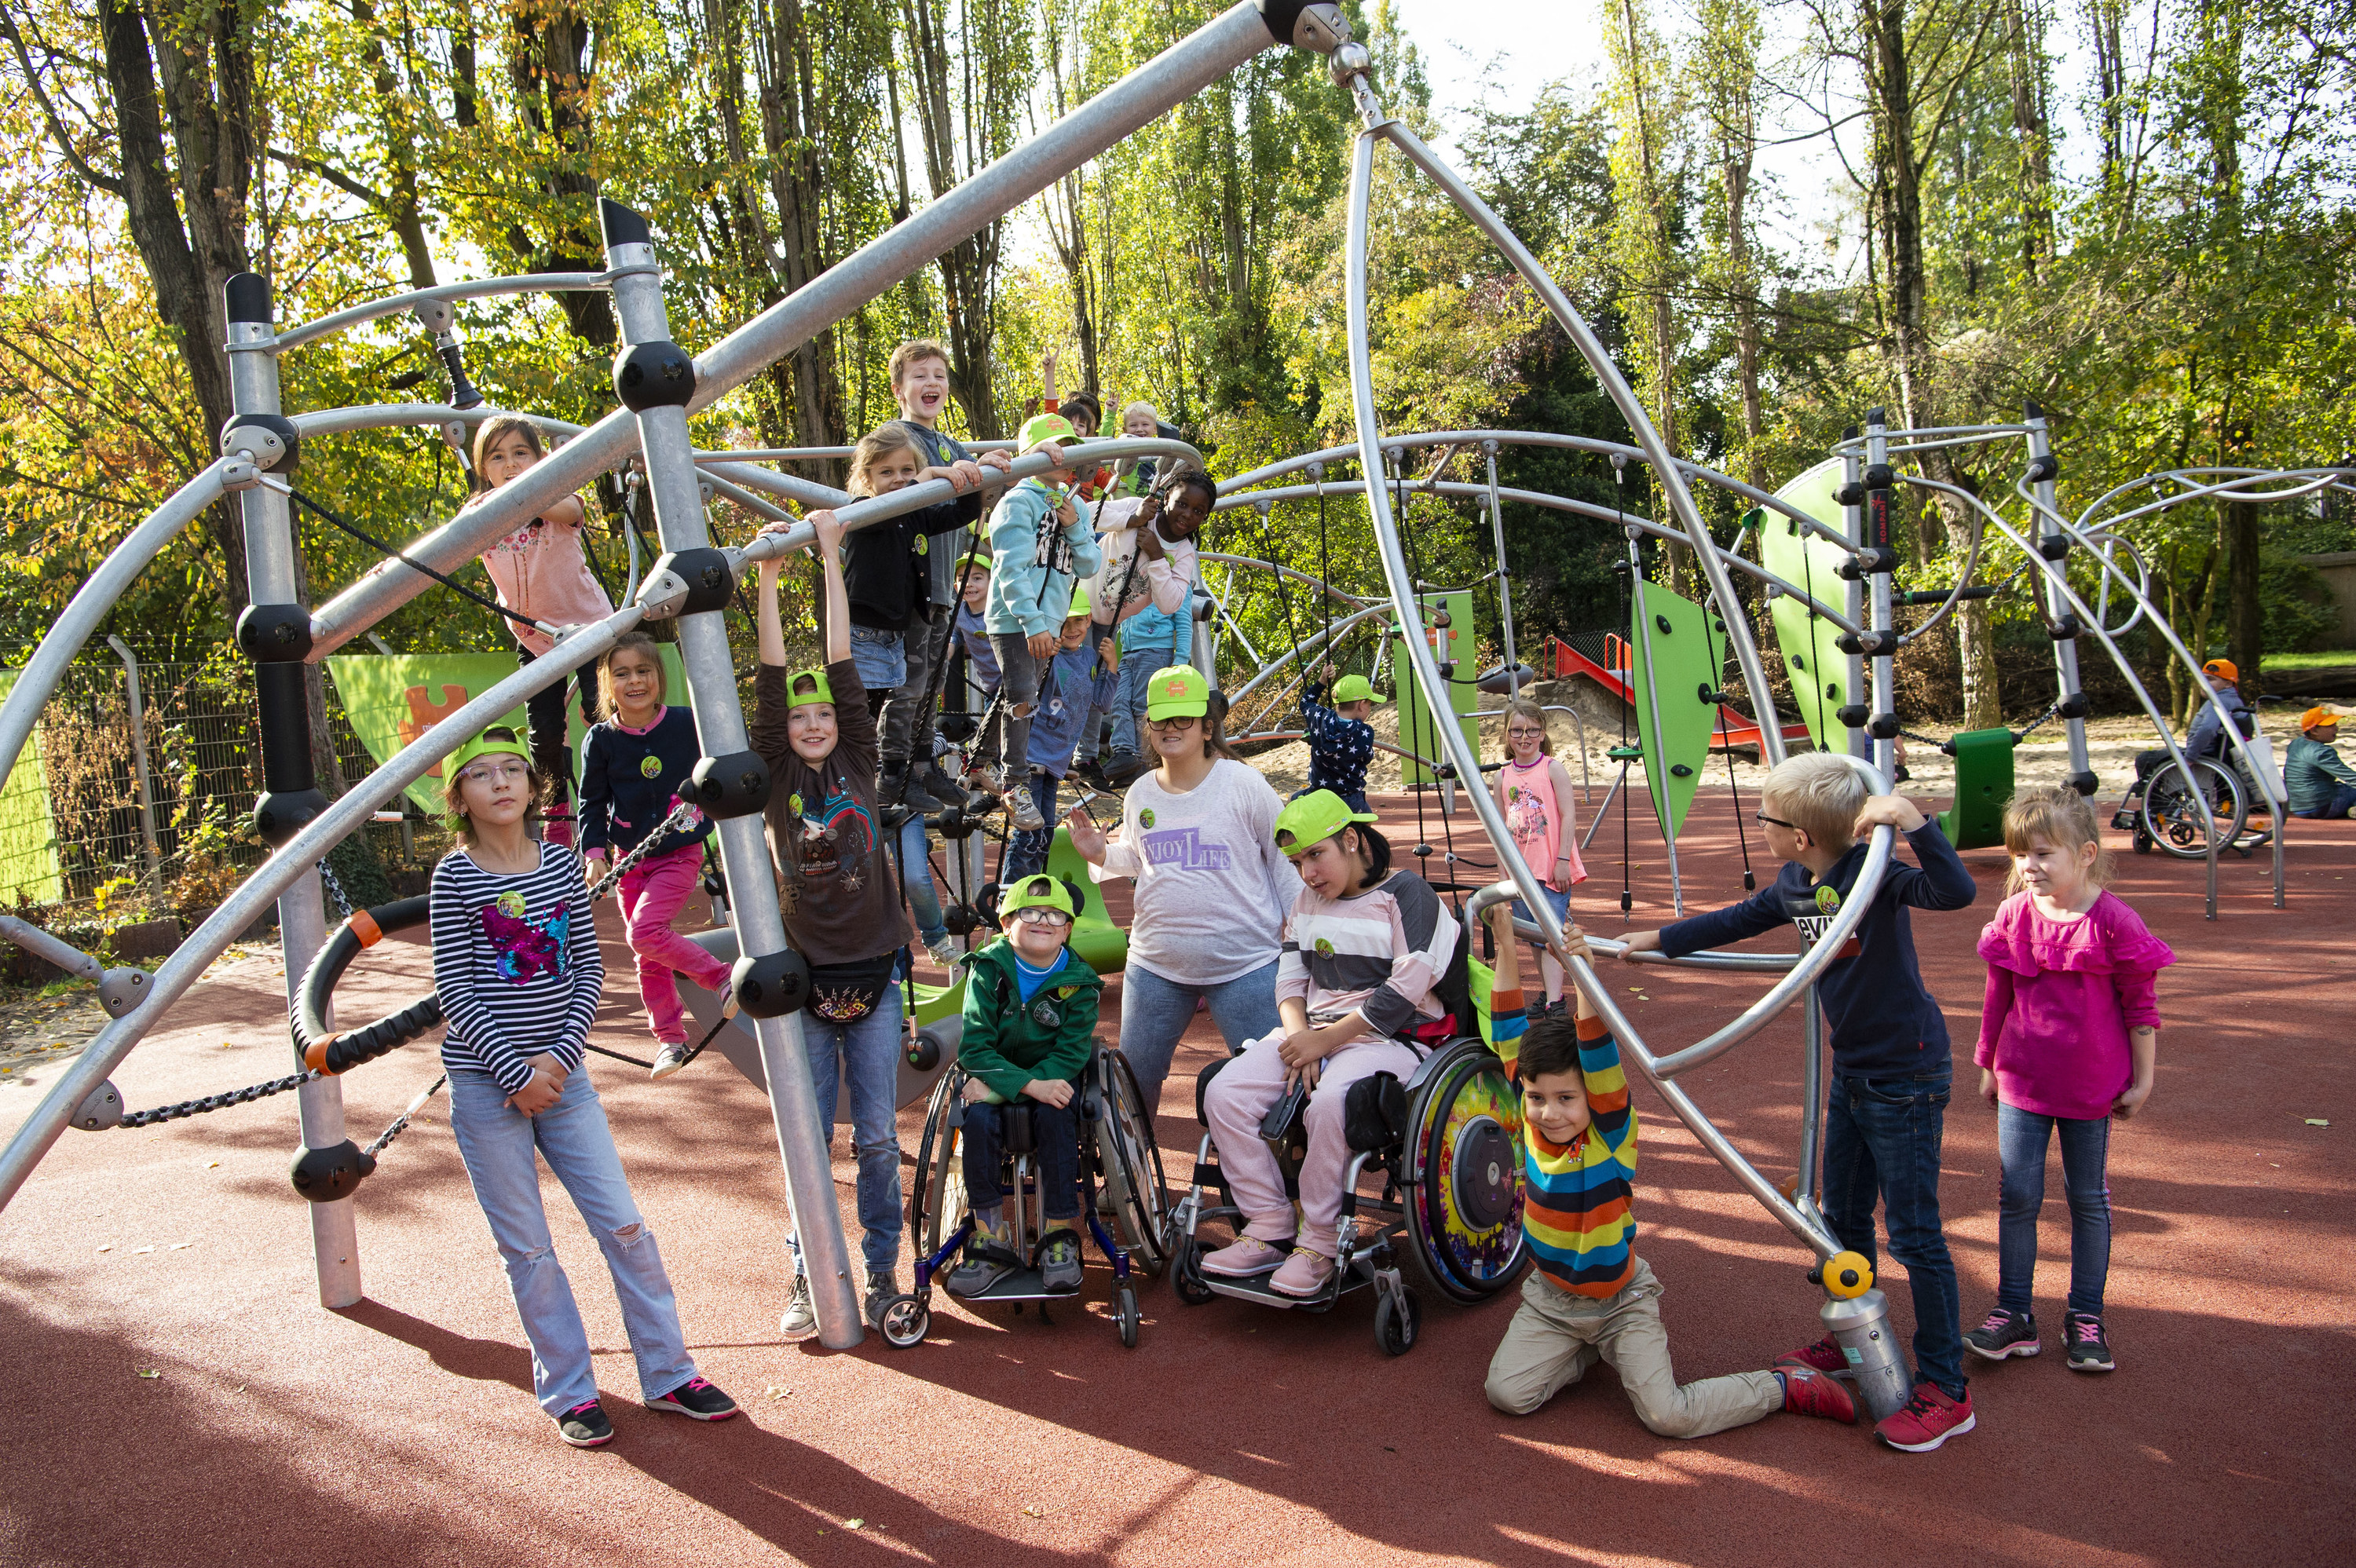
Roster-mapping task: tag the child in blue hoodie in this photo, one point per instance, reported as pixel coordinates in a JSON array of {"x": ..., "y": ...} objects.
[
  {"x": 1040, "y": 545},
  {"x": 1079, "y": 679}
]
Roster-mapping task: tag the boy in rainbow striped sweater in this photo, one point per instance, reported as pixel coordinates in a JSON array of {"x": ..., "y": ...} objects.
[{"x": 1591, "y": 1298}]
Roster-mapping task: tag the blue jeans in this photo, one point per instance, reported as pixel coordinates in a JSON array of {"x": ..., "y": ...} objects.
[
  {"x": 1154, "y": 1012},
  {"x": 1129, "y": 696},
  {"x": 497, "y": 1144},
  {"x": 1027, "y": 852},
  {"x": 1056, "y": 1143},
  {"x": 882, "y": 661},
  {"x": 1356, "y": 800},
  {"x": 923, "y": 899},
  {"x": 1883, "y": 1138},
  {"x": 867, "y": 1056},
  {"x": 2021, "y": 1138},
  {"x": 2342, "y": 801}
]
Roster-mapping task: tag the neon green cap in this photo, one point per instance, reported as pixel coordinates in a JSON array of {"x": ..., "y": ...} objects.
[
  {"x": 1177, "y": 692},
  {"x": 1080, "y": 602},
  {"x": 499, "y": 739},
  {"x": 1314, "y": 818},
  {"x": 1036, "y": 892},
  {"x": 1355, "y": 689},
  {"x": 1042, "y": 428},
  {"x": 796, "y": 698}
]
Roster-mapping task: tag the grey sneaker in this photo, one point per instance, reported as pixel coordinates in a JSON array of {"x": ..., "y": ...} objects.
[
  {"x": 881, "y": 1288},
  {"x": 1022, "y": 811},
  {"x": 669, "y": 1059},
  {"x": 1059, "y": 1262},
  {"x": 946, "y": 952},
  {"x": 800, "y": 1320}
]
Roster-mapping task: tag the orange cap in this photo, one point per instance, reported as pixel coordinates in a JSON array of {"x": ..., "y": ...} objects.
[
  {"x": 2222, "y": 666},
  {"x": 2316, "y": 717}
]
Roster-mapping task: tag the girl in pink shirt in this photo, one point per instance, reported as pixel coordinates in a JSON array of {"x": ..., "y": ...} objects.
[
  {"x": 1534, "y": 797},
  {"x": 541, "y": 571},
  {"x": 2069, "y": 1038}
]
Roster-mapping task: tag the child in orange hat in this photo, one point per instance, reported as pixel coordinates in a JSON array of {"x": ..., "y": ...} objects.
[{"x": 2320, "y": 783}]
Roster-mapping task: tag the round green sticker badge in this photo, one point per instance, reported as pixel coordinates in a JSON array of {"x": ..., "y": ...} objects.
[
  {"x": 1324, "y": 947},
  {"x": 1145, "y": 817},
  {"x": 1828, "y": 899},
  {"x": 650, "y": 767}
]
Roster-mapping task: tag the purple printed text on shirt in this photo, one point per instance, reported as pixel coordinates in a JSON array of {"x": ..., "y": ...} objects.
[{"x": 1183, "y": 849}]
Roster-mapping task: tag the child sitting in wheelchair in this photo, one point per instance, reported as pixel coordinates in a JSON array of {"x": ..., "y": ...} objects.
[
  {"x": 1363, "y": 950},
  {"x": 1029, "y": 1022}
]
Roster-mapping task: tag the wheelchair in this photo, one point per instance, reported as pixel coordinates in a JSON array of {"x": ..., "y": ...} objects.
[
  {"x": 1117, "y": 1154},
  {"x": 1432, "y": 1193},
  {"x": 2167, "y": 813}
]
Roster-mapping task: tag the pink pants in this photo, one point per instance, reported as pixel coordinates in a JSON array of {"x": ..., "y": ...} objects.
[
  {"x": 1242, "y": 1093},
  {"x": 653, "y": 892}
]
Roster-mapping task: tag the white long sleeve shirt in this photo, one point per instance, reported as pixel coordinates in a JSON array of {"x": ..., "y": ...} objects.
[{"x": 1213, "y": 890}]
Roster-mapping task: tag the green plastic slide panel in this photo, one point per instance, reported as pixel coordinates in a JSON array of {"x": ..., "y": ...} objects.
[
  {"x": 1419, "y": 733},
  {"x": 936, "y": 1002},
  {"x": 1818, "y": 670},
  {"x": 1677, "y": 658},
  {"x": 1983, "y": 789},
  {"x": 28, "y": 831},
  {"x": 1102, "y": 945},
  {"x": 393, "y": 699}
]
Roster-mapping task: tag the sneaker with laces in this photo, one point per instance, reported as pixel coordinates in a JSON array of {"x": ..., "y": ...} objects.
[
  {"x": 1305, "y": 1273},
  {"x": 1927, "y": 1420},
  {"x": 669, "y": 1059},
  {"x": 2004, "y": 1333},
  {"x": 2090, "y": 1348},
  {"x": 946, "y": 952},
  {"x": 1810, "y": 1392},
  {"x": 988, "y": 1260},
  {"x": 800, "y": 1320},
  {"x": 937, "y": 782},
  {"x": 1825, "y": 1356},
  {"x": 1059, "y": 1262},
  {"x": 697, "y": 1400},
  {"x": 881, "y": 1288},
  {"x": 1023, "y": 812},
  {"x": 585, "y": 1426}
]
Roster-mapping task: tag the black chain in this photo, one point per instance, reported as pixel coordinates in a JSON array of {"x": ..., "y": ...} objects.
[
  {"x": 400, "y": 1123},
  {"x": 199, "y": 1106}
]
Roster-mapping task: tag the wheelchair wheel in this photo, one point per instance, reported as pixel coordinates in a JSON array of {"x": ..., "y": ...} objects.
[
  {"x": 1397, "y": 1318},
  {"x": 1132, "y": 1162},
  {"x": 938, "y": 1205},
  {"x": 1187, "y": 1275},
  {"x": 2179, "y": 818},
  {"x": 904, "y": 1322},
  {"x": 1126, "y": 1315},
  {"x": 1463, "y": 1166}
]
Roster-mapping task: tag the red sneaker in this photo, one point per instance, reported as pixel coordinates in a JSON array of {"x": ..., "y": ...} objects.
[
  {"x": 1927, "y": 1420},
  {"x": 1809, "y": 1392},
  {"x": 1825, "y": 1356}
]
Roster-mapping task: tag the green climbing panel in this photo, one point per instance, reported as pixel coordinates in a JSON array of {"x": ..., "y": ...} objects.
[
  {"x": 1102, "y": 945},
  {"x": 1417, "y": 731},
  {"x": 1983, "y": 789},
  {"x": 1811, "y": 656},
  {"x": 1676, "y": 657}
]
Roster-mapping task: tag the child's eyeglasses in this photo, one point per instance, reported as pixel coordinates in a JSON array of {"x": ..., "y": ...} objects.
[
  {"x": 1038, "y": 916},
  {"x": 1181, "y": 721},
  {"x": 1774, "y": 821},
  {"x": 486, "y": 773}
]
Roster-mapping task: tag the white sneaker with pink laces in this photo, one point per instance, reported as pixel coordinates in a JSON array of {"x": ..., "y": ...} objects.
[
  {"x": 1242, "y": 1258},
  {"x": 1304, "y": 1273}
]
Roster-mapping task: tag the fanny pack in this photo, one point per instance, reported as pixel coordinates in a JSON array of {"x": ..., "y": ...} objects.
[{"x": 846, "y": 992}]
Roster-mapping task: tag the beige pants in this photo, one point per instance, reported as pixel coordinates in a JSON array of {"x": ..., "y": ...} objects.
[{"x": 1555, "y": 1335}]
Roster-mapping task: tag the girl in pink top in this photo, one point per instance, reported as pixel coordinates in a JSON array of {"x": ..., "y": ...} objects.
[
  {"x": 1534, "y": 797},
  {"x": 541, "y": 570},
  {"x": 2069, "y": 1038}
]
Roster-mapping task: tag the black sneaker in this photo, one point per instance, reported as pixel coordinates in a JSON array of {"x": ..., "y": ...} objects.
[
  {"x": 881, "y": 1288},
  {"x": 1093, "y": 771},
  {"x": 1126, "y": 768},
  {"x": 2089, "y": 1349},
  {"x": 897, "y": 787},
  {"x": 2004, "y": 1333},
  {"x": 697, "y": 1400},
  {"x": 937, "y": 784},
  {"x": 982, "y": 1268},
  {"x": 1059, "y": 1262},
  {"x": 585, "y": 1426}
]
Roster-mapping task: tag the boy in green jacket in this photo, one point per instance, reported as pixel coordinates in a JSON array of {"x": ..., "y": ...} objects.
[{"x": 1029, "y": 1027}]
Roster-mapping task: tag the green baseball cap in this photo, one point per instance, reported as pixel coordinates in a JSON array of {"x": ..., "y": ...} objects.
[
  {"x": 1355, "y": 689},
  {"x": 499, "y": 740},
  {"x": 796, "y": 698},
  {"x": 1314, "y": 818},
  {"x": 1042, "y": 428},
  {"x": 1036, "y": 892},
  {"x": 1177, "y": 692},
  {"x": 1080, "y": 604}
]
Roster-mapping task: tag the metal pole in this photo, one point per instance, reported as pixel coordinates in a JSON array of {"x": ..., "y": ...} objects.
[
  {"x": 1811, "y": 1104},
  {"x": 2044, "y": 469},
  {"x": 274, "y": 632},
  {"x": 1504, "y": 584},
  {"x": 139, "y": 759},
  {"x": 657, "y": 379}
]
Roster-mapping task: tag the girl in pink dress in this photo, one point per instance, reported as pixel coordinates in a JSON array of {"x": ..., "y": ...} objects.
[
  {"x": 2069, "y": 1038},
  {"x": 1534, "y": 797}
]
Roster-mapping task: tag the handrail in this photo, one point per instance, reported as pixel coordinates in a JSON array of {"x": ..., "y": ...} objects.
[{"x": 393, "y": 305}]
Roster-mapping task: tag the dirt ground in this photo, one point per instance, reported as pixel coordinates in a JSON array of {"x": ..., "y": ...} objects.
[{"x": 174, "y": 1395}]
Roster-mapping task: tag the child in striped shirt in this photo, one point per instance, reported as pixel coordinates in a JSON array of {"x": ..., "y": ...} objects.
[
  {"x": 517, "y": 969},
  {"x": 1591, "y": 1298}
]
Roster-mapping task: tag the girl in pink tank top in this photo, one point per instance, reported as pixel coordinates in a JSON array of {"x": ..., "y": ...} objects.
[{"x": 1534, "y": 797}]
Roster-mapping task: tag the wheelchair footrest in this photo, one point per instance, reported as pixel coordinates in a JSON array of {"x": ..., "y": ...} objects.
[{"x": 1023, "y": 1285}]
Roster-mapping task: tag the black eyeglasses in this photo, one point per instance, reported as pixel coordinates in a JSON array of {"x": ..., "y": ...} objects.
[{"x": 1774, "y": 821}]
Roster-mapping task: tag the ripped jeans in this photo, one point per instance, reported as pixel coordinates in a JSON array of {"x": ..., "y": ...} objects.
[{"x": 499, "y": 1143}]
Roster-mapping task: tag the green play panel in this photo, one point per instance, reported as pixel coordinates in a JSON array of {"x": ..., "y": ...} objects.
[
  {"x": 1811, "y": 656},
  {"x": 1983, "y": 784},
  {"x": 1676, "y": 657}
]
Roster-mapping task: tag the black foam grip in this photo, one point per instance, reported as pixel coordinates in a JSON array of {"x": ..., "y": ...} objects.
[{"x": 327, "y": 966}]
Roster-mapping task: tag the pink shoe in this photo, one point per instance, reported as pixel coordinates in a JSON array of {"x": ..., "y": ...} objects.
[
  {"x": 1242, "y": 1258},
  {"x": 1304, "y": 1273}
]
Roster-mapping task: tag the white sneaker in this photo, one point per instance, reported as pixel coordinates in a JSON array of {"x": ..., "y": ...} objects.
[
  {"x": 669, "y": 1059},
  {"x": 800, "y": 1320},
  {"x": 946, "y": 952},
  {"x": 1023, "y": 811}
]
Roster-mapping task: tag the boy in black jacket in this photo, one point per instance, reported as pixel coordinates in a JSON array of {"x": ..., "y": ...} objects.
[{"x": 1893, "y": 1064}]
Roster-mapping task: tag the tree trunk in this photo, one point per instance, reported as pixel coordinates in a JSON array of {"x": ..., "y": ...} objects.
[
  {"x": 2247, "y": 624},
  {"x": 549, "y": 54},
  {"x": 2025, "y": 61}
]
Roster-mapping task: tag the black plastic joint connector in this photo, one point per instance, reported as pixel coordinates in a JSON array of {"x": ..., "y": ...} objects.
[
  {"x": 279, "y": 815},
  {"x": 2066, "y": 629},
  {"x": 1883, "y": 727},
  {"x": 619, "y": 225},
  {"x": 324, "y": 1175},
  {"x": 1866, "y": 643},
  {"x": 2085, "y": 783},
  {"x": 735, "y": 785},
  {"x": 705, "y": 572},
  {"x": 274, "y": 633},
  {"x": 658, "y": 375},
  {"x": 1852, "y": 715},
  {"x": 1878, "y": 476},
  {"x": 1870, "y": 560},
  {"x": 2053, "y": 547},
  {"x": 289, "y": 439},
  {"x": 2073, "y": 706},
  {"x": 1850, "y": 495},
  {"x": 771, "y": 985},
  {"x": 2045, "y": 469}
]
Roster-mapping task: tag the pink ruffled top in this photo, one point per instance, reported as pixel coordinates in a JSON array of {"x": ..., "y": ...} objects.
[{"x": 2062, "y": 997}]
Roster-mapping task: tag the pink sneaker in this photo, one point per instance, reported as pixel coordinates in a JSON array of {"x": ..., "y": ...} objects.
[
  {"x": 1927, "y": 1420},
  {"x": 1824, "y": 1356},
  {"x": 1304, "y": 1273},
  {"x": 1242, "y": 1258}
]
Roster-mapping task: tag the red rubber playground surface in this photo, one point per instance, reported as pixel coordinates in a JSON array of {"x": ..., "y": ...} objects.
[{"x": 174, "y": 1395}]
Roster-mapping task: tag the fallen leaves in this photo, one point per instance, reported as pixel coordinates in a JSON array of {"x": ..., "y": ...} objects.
[
  {"x": 151, "y": 1372},
  {"x": 2317, "y": 1122}
]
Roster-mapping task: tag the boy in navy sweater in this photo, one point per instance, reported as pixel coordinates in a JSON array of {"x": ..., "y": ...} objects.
[
  {"x": 1074, "y": 682},
  {"x": 1893, "y": 1064}
]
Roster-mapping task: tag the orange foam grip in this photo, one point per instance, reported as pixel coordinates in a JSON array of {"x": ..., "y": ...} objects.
[{"x": 365, "y": 927}]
